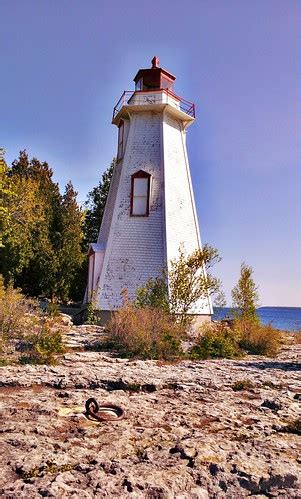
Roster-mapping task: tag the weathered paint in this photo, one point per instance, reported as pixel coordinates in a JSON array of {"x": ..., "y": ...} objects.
[{"x": 137, "y": 248}]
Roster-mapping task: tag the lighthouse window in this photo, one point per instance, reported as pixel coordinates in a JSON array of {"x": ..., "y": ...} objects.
[
  {"x": 120, "y": 139},
  {"x": 139, "y": 84},
  {"x": 140, "y": 194}
]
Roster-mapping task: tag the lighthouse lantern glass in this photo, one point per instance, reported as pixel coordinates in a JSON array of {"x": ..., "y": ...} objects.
[{"x": 139, "y": 84}]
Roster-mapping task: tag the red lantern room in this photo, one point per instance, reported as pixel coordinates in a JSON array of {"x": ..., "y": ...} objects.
[
  {"x": 154, "y": 90},
  {"x": 153, "y": 79}
]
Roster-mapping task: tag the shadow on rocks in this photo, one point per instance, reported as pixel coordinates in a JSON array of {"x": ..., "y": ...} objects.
[{"x": 283, "y": 366}]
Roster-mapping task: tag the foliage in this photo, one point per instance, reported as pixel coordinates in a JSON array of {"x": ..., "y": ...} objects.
[
  {"x": 95, "y": 205},
  {"x": 242, "y": 384},
  {"x": 16, "y": 313},
  {"x": 215, "y": 342},
  {"x": 70, "y": 254},
  {"x": 190, "y": 280},
  {"x": 53, "y": 309},
  {"x": 297, "y": 338},
  {"x": 43, "y": 347},
  {"x": 92, "y": 315},
  {"x": 42, "y": 232},
  {"x": 24, "y": 326},
  {"x": 245, "y": 294},
  {"x": 154, "y": 294},
  {"x": 256, "y": 338},
  {"x": 219, "y": 303},
  {"x": 146, "y": 333}
]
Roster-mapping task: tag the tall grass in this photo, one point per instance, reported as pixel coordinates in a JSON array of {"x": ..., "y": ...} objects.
[
  {"x": 147, "y": 333},
  {"x": 25, "y": 328}
]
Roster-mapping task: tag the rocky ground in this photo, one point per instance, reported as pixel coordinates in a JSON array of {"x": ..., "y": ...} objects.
[{"x": 187, "y": 433}]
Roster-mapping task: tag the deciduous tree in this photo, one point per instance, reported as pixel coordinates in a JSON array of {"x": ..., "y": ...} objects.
[{"x": 245, "y": 295}]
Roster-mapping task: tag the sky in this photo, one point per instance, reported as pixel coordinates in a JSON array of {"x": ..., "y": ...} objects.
[{"x": 65, "y": 63}]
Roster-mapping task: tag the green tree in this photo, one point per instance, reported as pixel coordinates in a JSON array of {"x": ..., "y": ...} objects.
[
  {"x": 189, "y": 280},
  {"x": 245, "y": 295},
  {"x": 6, "y": 192},
  {"x": 95, "y": 205},
  {"x": 70, "y": 255},
  {"x": 30, "y": 253},
  {"x": 42, "y": 241},
  {"x": 154, "y": 294}
]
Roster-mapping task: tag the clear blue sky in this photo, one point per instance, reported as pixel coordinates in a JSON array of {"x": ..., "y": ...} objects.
[{"x": 64, "y": 64}]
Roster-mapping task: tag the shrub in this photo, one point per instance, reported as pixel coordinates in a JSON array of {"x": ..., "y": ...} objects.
[
  {"x": 23, "y": 326},
  {"x": 146, "y": 333},
  {"x": 215, "y": 342},
  {"x": 242, "y": 384},
  {"x": 185, "y": 281},
  {"x": 92, "y": 317},
  {"x": 154, "y": 294},
  {"x": 16, "y": 313},
  {"x": 53, "y": 309},
  {"x": 43, "y": 347},
  {"x": 256, "y": 338},
  {"x": 297, "y": 338}
]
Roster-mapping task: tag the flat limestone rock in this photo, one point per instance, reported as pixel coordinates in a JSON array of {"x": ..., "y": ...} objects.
[{"x": 187, "y": 433}]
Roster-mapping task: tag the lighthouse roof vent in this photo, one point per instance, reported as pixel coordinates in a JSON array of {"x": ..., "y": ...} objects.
[{"x": 154, "y": 78}]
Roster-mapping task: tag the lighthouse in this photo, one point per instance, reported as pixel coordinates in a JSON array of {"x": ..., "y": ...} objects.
[{"x": 150, "y": 211}]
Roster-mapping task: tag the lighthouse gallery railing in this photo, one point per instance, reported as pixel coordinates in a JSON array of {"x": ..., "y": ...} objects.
[{"x": 154, "y": 97}]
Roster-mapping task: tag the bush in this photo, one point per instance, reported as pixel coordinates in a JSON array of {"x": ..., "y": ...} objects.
[
  {"x": 23, "y": 326},
  {"x": 242, "y": 384},
  {"x": 16, "y": 313},
  {"x": 43, "y": 347},
  {"x": 145, "y": 333},
  {"x": 154, "y": 294},
  {"x": 256, "y": 338},
  {"x": 215, "y": 342},
  {"x": 297, "y": 338}
]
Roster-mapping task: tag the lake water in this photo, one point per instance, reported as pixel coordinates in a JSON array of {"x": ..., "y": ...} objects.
[{"x": 285, "y": 318}]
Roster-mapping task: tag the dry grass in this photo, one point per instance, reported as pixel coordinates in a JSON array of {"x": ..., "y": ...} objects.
[
  {"x": 256, "y": 338},
  {"x": 24, "y": 328},
  {"x": 297, "y": 338},
  {"x": 146, "y": 333}
]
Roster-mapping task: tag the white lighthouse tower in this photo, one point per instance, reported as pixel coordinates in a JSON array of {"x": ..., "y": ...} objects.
[{"x": 150, "y": 210}]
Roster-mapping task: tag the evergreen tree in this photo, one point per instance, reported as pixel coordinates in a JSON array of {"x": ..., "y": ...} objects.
[
  {"x": 70, "y": 255},
  {"x": 95, "y": 205}
]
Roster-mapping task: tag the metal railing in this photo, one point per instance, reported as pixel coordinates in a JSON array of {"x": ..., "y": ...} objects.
[{"x": 161, "y": 96}]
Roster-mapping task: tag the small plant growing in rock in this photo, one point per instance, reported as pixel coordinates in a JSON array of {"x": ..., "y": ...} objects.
[
  {"x": 43, "y": 347},
  {"x": 92, "y": 317},
  {"x": 215, "y": 342},
  {"x": 242, "y": 384}
]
